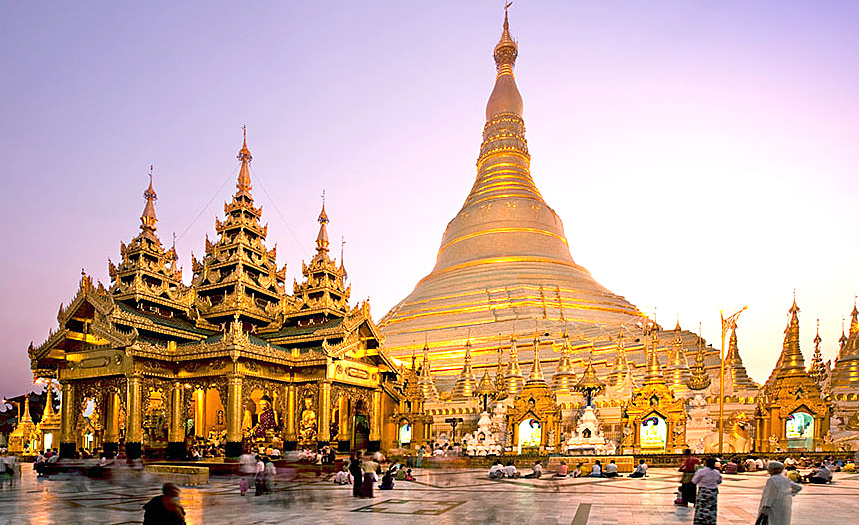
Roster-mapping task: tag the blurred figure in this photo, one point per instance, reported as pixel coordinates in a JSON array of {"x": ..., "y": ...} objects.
[
  {"x": 357, "y": 474},
  {"x": 777, "y": 498},
  {"x": 707, "y": 479},
  {"x": 164, "y": 509}
]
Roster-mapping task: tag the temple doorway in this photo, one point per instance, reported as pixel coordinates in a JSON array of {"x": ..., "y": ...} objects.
[
  {"x": 405, "y": 434},
  {"x": 361, "y": 427},
  {"x": 653, "y": 434},
  {"x": 530, "y": 434},
  {"x": 799, "y": 430}
]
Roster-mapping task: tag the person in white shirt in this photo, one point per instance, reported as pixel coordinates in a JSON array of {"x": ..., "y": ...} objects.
[
  {"x": 640, "y": 470},
  {"x": 759, "y": 463},
  {"x": 537, "y": 472},
  {"x": 611, "y": 470},
  {"x": 707, "y": 479},
  {"x": 596, "y": 471},
  {"x": 496, "y": 471},
  {"x": 777, "y": 498},
  {"x": 510, "y": 470}
]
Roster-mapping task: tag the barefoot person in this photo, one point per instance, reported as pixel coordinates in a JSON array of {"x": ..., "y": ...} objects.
[
  {"x": 707, "y": 479},
  {"x": 777, "y": 498}
]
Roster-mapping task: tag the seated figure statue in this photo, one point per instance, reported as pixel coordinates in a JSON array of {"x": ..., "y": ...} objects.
[
  {"x": 307, "y": 429},
  {"x": 267, "y": 419}
]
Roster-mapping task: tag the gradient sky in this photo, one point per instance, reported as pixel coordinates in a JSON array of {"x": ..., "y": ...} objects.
[{"x": 703, "y": 155}]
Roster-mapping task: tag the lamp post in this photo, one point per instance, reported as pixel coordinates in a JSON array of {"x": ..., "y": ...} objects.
[
  {"x": 17, "y": 405},
  {"x": 729, "y": 322}
]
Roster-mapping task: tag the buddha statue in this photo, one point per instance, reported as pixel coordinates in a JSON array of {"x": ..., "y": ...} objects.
[
  {"x": 267, "y": 421},
  {"x": 307, "y": 428}
]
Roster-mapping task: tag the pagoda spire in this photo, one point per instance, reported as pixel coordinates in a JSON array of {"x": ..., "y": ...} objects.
[
  {"x": 699, "y": 379},
  {"x": 322, "y": 237},
  {"x": 677, "y": 367},
  {"x": 466, "y": 383},
  {"x": 654, "y": 368},
  {"x": 854, "y": 320},
  {"x": 536, "y": 375},
  {"x": 734, "y": 365},
  {"x": 791, "y": 359},
  {"x": 148, "y": 220},
  {"x": 499, "y": 373},
  {"x": 425, "y": 380},
  {"x": 514, "y": 380},
  {"x": 563, "y": 380},
  {"x": 243, "y": 185},
  {"x": 589, "y": 385},
  {"x": 817, "y": 370}
]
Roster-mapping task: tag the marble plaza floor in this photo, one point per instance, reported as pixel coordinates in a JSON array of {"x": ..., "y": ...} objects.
[{"x": 437, "y": 497}]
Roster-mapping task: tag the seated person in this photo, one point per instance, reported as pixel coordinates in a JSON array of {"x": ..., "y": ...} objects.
[
  {"x": 792, "y": 474},
  {"x": 562, "y": 470},
  {"x": 343, "y": 477},
  {"x": 759, "y": 464},
  {"x": 749, "y": 465},
  {"x": 819, "y": 475},
  {"x": 730, "y": 467},
  {"x": 577, "y": 472},
  {"x": 401, "y": 474},
  {"x": 640, "y": 470},
  {"x": 537, "y": 472},
  {"x": 611, "y": 470},
  {"x": 387, "y": 481},
  {"x": 596, "y": 471},
  {"x": 409, "y": 476},
  {"x": 496, "y": 471},
  {"x": 510, "y": 470}
]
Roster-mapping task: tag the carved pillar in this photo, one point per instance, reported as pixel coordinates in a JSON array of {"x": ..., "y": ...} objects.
[
  {"x": 111, "y": 423},
  {"x": 176, "y": 436},
  {"x": 291, "y": 440},
  {"x": 324, "y": 413},
  {"x": 376, "y": 422},
  {"x": 68, "y": 440},
  {"x": 343, "y": 432},
  {"x": 134, "y": 420},
  {"x": 234, "y": 416}
]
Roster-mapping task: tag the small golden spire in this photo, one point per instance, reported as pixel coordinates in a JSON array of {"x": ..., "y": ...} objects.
[
  {"x": 536, "y": 370},
  {"x": 148, "y": 220},
  {"x": 322, "y": 238},
  {"x": 244, "y": 183}
]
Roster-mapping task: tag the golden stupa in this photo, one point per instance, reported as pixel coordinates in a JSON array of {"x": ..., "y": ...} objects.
[{"x": 504, "y": 266}]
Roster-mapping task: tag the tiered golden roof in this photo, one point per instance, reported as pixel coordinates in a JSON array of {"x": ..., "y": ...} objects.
[
  {"x": 239, "y": 274},
  {"x": 147, "y": 275}
]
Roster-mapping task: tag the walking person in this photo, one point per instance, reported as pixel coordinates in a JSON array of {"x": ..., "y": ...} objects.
[
  {"x": 687, "y": 488},
  {"x": 777, "y": 498},
  {"x": 165, "y": 509},
  {"x": 707, "y": 479},
  {"x": 369, "y": 468}
]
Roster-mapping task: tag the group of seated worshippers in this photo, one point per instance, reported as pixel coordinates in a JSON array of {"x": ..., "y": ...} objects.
[
  {"x": 610, "y": 470},
  {"x": 498, "y": 471}
]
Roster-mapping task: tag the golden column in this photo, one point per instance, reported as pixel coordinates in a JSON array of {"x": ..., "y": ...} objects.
[
  {"x": 176, "y": 437},
  {"x": 68, "y": 440},
  {"x": 234, "y": 415},
  {"x": 376, "y": 425},
  {"x": 111, "y": 423},
  {"x": 290, "y": 416},
  {"x": 134, "y": 419},
  {"x": 325, "y": 413}
]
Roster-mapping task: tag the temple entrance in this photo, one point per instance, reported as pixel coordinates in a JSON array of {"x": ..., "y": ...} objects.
[
  {"x": 207, "y": 427},
  {"x": 799, "y": 430},
  {"x": 405, "y": 434},
  {"x": 653, "y": 434},
  {"x": 530, "y": 434},
  {"x": 361, "y": 427},
  {"x": 155, "y": 422}
]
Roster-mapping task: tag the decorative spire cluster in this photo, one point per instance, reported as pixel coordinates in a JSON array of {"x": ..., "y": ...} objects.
[{"x": 817, "y": 369}]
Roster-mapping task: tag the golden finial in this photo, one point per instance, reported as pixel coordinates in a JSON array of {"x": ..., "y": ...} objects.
[
  {"x": 506, "y": 50},
  {"x": 244, "y": 183},
  {"x": 148, "y": 219}
]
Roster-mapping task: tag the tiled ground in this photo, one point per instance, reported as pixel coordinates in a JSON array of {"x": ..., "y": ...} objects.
[{"x": 442, "y": 497}]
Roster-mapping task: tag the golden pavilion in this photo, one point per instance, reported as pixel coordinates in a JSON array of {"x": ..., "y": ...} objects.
[{"x": 148, "y": 363}]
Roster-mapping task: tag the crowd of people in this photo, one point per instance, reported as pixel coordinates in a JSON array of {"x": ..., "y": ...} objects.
[{"x": 365, "y": 470}]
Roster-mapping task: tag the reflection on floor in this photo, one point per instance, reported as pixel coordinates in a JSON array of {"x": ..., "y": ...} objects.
[{"x": 453, "y": 497}]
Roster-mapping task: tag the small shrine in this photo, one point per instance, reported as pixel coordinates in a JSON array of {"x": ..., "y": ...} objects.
[
  {"x": 655, "y": 421},
  {"x": 533, "y": 420},
  {"x": 482, "y": 441},
  {"x": 791, "y": 412}
]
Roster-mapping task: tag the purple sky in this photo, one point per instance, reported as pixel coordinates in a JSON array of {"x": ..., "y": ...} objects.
[{"x": 703, "y": 155}]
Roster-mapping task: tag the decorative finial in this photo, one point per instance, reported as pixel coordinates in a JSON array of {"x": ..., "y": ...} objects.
[
  {"x": 244, "y": 183},
  {"x": 148, "y": 220}
]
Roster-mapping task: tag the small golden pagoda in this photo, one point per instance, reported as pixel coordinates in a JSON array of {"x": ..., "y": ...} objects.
[
  {"x": 655, "y": 420},
  {"x": 25, "y": 437},
  {"x": 791, "y": 413},
  {"x": 845, "y": 373},
  {"x": 534, "y": 418},
  {"x": 232, "y": 360}
]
